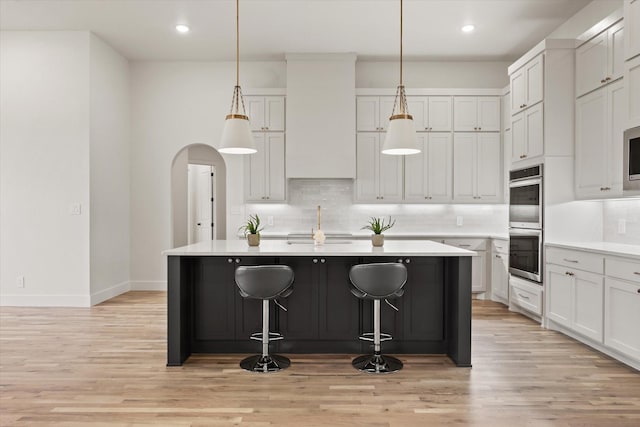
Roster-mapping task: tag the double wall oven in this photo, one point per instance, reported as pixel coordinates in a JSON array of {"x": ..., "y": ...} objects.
[{"x": 525, "y": 223}]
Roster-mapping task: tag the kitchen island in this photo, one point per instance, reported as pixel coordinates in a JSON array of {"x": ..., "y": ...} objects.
[{"x": 207, "y": 315}]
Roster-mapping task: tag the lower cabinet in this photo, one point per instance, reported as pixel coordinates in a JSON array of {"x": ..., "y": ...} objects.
[
  {"x": 622, "y": 307},
  {"x": 500, "y": 270},
  {"x": 478, "y": 263}
]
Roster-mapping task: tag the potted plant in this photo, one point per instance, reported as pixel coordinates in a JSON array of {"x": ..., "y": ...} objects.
[
  {"x": 378, "y": 226},
  {"x": 252, "y": 230}
]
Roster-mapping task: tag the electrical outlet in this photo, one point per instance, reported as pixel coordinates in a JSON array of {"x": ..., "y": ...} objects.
[
  {"x": 20, "y": 281},
  {"x": 459, "y": 221},
  {"x": 270, "y": 220},
  {"x": 75, "y": 209},
  {"x": 622, "y": 226}
]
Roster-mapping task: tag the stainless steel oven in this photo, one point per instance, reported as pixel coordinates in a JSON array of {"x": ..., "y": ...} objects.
[
  {"x": 525, "y": 198},
  {"x": 525, "y": 253},
  {"x": 631, "y": 159}
]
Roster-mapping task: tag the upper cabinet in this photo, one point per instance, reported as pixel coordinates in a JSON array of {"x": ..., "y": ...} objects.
[
  {"x": 431, "y": 113},
  {"x": 476, "y": 114},
  {"x": 266, "y": 113},
  {"x": 264, "y": 179},
  {"x": 527, "y": 140},
  {"x": 632, "y": 25},
  {"x": 379, "y": 177},
  {"x": 600, "y": 60},
  {"x": 477, "y": 168},
  {"x": 373, "y": 112},
  {"x": 527, "y": 85},
  {"x": 429, "y": 174}
]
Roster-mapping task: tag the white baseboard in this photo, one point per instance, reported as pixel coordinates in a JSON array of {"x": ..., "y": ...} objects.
[
  {"x": 113, "y": 291},
  {"x": 45, "y": 300},
  {"x": 148, "y": 285}
]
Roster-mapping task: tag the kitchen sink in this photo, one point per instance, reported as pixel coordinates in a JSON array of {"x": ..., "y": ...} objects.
[{"x": 311, "y": 242}]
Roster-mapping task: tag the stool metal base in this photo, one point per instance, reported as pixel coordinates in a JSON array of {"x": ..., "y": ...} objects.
[
  {"x": 377, "y": 364},
  {"x": 260, "y": 363}
]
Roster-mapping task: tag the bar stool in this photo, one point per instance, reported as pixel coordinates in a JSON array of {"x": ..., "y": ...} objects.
[
  {"x": 265, "y": 282},
  {"x": 376, "y": 282}
]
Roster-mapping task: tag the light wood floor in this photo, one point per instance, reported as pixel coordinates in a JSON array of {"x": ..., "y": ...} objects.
[{"x": 106, "y": 366}]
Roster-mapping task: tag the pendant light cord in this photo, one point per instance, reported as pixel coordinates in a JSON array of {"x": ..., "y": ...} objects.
[
  {"x": 400, "y": 42},
  {"x": 237, "y": 42}
]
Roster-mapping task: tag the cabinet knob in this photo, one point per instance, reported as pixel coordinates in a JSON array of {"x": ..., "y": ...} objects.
[
  {"x": 381, "y": 197},
  {"x": 315, "y": 260},
  {"x": 408, "y": 260},
  {"x": 479, "y": 128},
  {"x": 568, "y": 273},
  {"x": 603, "y": 80},
  {"x": 426, "y": 128},
  {"x": 399, "y": 259},
  {"x": 322, "y": 260},
  {"x": 607, "y": 79},
  {"x": 238, "y": 260},
  {"x": 229, "y": 260}
]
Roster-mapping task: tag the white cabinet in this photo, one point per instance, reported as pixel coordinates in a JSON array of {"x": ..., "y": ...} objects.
[
  {"x": 428, "y": 175},
  {"x": 379, "y": 177},
  {"x": 478, "y": 263},
  {"x": 527, "y": 134},
  {"x": 265, "y": 172},
  {"x": 476, "y": 113},
  {"x": 527, "y": 85},
  {"x": 373, "y": 112},
  {"x": 632, "y": 28},
  {"x": 477, "y": 167},
  {"x": 430, "y": 113},
  {"x": 600, "y": 60},
  {"x": 622, "y": 306},
  {"x": 500, "y": 270},
  {"x": 574, "y": 296},
  {"x": 524, "y": 294},
  {"x": 632, "y": 85},
  {"x": 266, "y": 113},
  {"x": 600, "y": 123}
]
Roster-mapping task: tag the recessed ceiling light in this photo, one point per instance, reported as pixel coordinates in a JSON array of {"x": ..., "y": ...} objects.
[
  {"x": 181, "y": 28},
  {"x": 468, "y": 28}
]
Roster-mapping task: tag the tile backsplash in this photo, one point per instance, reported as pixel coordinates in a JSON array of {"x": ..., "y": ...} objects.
[
  {"x": 618, "y": 215},
  {"x": 341, "y": 215}
]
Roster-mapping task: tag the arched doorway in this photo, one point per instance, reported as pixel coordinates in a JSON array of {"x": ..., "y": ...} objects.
[{"x": 199, "y": 158}]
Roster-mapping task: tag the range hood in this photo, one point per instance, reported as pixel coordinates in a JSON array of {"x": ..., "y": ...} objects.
[{"x": 321, "y": 116}]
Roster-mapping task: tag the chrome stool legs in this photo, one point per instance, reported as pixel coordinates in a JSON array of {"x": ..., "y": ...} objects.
[
  {"x": 265, "y": 362},
  {"x": 376, "y": 363}
]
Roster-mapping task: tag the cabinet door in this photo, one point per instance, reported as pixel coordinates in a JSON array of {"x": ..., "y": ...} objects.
[
  {"x": 489, "y": 167},
  {"x": 439, "y": 114},
  {"x": 500, "y": 276},
  {"x": 632, "y": 82},
  {"x": 535, "y": 131},
  {"x": 367, "y": 154},
  {"x": 489, "y": 113},
  {"x": 591, "y": 144},
  {"x": 391, "y": 173},
  {"x": 386, "y": 109},
  {"x": 479, "y": 272},
  {"x": 255, "y": 107},
  {"x": 632, "y": 28},
  {"x": 367, "y": 113},
  {"x": 518, "y": 90},
  {"x": 615, "y": 52},
  {"x": 591, "y": 64},
  {"x": 213, "y": 299},
  {"x": 465, "y": 113},
  {"x": 255, "y": 170},
  {"x": 617, "y": 120},
  {"x": 588, "y": 301},
  {"x": 300, "y": 321},
  {"x": 339, "y": 312},
  {"x": 464, "y": 166},
  {"x": 535, "y": 81},
  {"x": 415, "y": 172},
  {"x": 423, "y": 300},
  {"x": 276, "y": 181},
  {"x": 418, "y": 108},
  {"x": 559, "y": 295},
  {"x": 274, "y": 113},
  {"x": 622, "y": 316},
  {"x": 439, "y": 162},
  {"x": 518, "y": 138}
]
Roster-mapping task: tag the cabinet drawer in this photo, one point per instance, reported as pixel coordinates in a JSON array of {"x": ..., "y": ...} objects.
[
  {"x": 585, "y": 261},
  {"x": 526, "y": 296},
  {"x": 623, "y": 269},
  {"x": 471, "y": 244}
]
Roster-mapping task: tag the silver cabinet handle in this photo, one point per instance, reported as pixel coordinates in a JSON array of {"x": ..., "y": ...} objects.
[
  {"x": 575, "y": 261},
  {"x": 464, "y": 246},
  {"x": 523, "y": 296}
]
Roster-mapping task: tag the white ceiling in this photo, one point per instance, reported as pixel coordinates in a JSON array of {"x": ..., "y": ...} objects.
[{"x": 144, "y": 29}]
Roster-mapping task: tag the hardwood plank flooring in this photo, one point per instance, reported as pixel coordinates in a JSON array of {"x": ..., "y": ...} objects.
[{"x": 105, "y": 366}]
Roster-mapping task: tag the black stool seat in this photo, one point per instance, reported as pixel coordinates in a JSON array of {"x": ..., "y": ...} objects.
[
  {"x": 265, "y": 282},
  {"x": 376, "y": 282}
]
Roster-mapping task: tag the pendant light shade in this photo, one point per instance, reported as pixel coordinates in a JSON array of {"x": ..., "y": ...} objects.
[
  {"x": 236, "y": 135},
  {"x": 401, "y": 136}
]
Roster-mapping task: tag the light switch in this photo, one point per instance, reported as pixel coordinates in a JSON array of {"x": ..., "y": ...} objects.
[
  {"x": 622, "y": 226},
  {"x": 270, "y": 220},
  {"x": 459, "y": 221},
  {"x": 75, "y": 209}
]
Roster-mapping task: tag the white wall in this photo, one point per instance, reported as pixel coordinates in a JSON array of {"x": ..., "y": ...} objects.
[
  {"x": 109, "y": 171},
  {"x": 44, "y": 166},
  {"x": 629, "y": 212},
  {"x": 432, "y": 74},
  {"x": 585, "y": 18}
]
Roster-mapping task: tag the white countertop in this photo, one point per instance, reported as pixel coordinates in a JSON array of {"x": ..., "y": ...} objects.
[
  {"x": 282, "y": 248},
  {"x": 400, "y": 235},
  {"x": 607, "y": 248}
]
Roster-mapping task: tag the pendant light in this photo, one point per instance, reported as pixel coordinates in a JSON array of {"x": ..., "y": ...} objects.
[
  {"x": 401, "y": 134},
  {"x": 236, "y": 135}
]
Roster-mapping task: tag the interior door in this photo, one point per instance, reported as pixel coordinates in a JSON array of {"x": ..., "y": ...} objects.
[{"x": 201, "y": 203}]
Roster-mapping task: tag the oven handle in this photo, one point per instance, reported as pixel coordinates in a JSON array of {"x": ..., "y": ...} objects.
[
  {"x": 525, "y": 182},
  {"x": 524, "y": 232}
]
